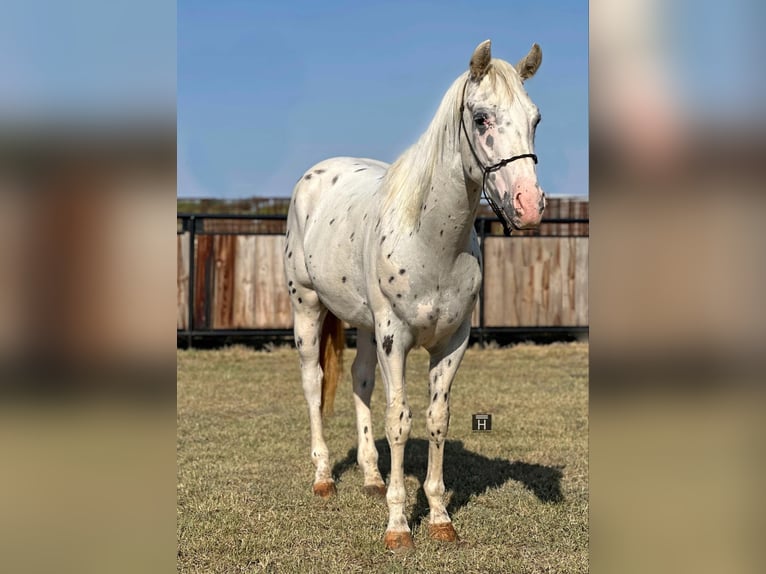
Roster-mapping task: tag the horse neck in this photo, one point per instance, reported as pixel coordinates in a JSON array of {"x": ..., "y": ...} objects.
[{"x": 449, "y": 206}]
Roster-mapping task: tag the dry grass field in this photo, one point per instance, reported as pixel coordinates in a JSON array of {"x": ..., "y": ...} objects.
[{"x": 518, "y": 495}]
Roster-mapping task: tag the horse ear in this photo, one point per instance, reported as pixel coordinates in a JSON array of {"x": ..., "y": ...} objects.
[
  {"x": 529, "y": 64},
  {"x": 480, "y": 60}
]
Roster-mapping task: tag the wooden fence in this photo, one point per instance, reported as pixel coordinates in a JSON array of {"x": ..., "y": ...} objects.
[{"x": 530, "y": 282}]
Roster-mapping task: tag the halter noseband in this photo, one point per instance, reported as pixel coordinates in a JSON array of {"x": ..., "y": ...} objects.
[{"x": 489, "y": 169}]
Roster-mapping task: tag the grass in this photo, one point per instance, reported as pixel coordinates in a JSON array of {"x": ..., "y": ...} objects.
[{"x": 518, "y": 495}]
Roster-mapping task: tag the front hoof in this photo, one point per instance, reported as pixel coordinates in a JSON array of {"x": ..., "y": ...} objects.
[
  {"x": 375, "y": 490},
  {"x": 398, "y": 540},
  {"x": 444, "y": 532},
  {"x": 325, "y": 489}
]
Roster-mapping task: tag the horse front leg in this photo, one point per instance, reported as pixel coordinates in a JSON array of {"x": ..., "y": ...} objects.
[
  {"x": 444, "y": 363},
  {"x": 393, "y": 344}
]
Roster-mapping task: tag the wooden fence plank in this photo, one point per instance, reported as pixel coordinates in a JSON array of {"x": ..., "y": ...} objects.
[
  {"x": 223, "y": 281},
  {"x": 203, "y": 271},
  {"x": 244, "y": 282},
  {"x": 272, "y": 304},
  {"x": 182, "y": 278}
]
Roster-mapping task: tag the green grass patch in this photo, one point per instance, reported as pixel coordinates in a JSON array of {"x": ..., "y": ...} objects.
[{"x": 518, "y": 495}]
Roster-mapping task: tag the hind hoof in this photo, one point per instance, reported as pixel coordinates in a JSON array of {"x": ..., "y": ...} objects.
[
  {"x": 443, "y": 532},
  {"x": 325, "y": 489},
  {"x": 375, "y": 490},
  {"x": 398, "y": 540}
]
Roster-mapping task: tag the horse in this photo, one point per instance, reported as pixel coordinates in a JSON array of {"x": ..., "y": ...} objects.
[{"x": 392, "y": 251}]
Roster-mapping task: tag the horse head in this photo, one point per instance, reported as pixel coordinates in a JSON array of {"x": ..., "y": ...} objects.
[{"x": 499, "y": 121}]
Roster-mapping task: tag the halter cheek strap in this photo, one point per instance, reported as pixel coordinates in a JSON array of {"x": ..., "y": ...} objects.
[{"x": 486, "y": 170}]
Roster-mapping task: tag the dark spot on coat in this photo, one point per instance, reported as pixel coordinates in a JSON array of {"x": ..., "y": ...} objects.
[
  {"x": 438, "y": 445},
  {"x": 300, "y": 300},
  {"x": 402, "y": 271},
  {"x": 365, "y": 430},
  {"x": 308, "y": 176},
  {"x": 314, "y": 341},
  {"x": 382, "y": 239},
  {"x": 360, "y": 169},
  {"x": 289, "y": 255},
  {"x": 332, "y": 221},
  {"x": 388, "y": 322},
  {"x": 364, "y": 384},
  {"x": 293, "y": 291},
  {"x": 441, "y": 232},
  {"x": 490, "y": 141},
  {"x": 445, "y": 397},
  {"x": 299, "y": 342},
  {"x": 449, "y": 362},
  {"x": 388, "y": 342},
  {"x": 398, "y": 295},
  {"x": 289, "y": 283},
  {"x": 351, "y": 237},
  {"x": 401, "y": 415},
  {"x": 318, "y": 171},
  {"x": 434, "y": 397},
  {"x": 343, "y": 278},
  {"x": 438, "y": 431},
  {"x": 335, "y": 179},
  {"x": 391, "y": 279}
]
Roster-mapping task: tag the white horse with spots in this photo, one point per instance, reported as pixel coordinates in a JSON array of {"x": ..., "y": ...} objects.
[{"x": 392, "y": 251}]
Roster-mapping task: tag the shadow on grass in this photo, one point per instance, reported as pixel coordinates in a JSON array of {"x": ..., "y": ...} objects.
[{"x": 466, "y": 473}]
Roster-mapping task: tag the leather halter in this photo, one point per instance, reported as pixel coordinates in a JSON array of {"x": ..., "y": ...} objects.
[{"x": 489, "y": 169}]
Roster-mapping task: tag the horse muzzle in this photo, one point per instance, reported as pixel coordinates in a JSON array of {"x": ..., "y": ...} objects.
[{"x": 526, "y": 206}]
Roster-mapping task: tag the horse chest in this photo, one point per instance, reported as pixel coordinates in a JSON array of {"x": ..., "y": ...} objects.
[{"x": 433, "y": 301}]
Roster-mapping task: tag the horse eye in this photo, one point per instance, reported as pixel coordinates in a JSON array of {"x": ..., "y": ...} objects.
[{"x": 480, "y": 119}]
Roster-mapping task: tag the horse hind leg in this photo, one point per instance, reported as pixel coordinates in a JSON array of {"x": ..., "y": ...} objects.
[
  {"x": 308, "y": 316},
  {"x": 363, "y": 376}
]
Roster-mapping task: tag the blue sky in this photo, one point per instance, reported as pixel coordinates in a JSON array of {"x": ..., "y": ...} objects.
[{"x": 266, "y": 89}]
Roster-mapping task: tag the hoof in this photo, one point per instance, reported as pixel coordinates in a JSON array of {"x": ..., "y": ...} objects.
[
  {"x": 325, "y": 489},
  {"x": 443, "y": 531},
  {"x": 398, "y": 540},
  {"x": 375, "y": 490}
]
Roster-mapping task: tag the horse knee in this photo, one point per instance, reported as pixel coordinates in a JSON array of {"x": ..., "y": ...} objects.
[{"x": 398, "y": 425}]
